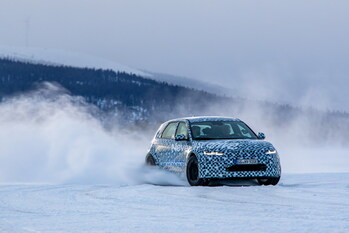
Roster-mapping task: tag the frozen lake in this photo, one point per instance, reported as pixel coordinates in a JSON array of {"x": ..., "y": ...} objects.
[{"x": 300, "y": 203}]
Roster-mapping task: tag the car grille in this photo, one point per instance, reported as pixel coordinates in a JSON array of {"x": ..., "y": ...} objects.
[{"x": 247, "y": 167}]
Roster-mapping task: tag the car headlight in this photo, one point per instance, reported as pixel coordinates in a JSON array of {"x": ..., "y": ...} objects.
[
  {"x": 271, "y": 152},
  {"x": 213, "y": 153}
]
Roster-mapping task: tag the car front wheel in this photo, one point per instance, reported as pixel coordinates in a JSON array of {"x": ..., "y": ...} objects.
[{"x": 193, "y": 173}]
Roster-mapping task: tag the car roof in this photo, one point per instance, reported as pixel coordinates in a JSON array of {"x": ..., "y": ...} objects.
[{"x": 205, "y": 118}]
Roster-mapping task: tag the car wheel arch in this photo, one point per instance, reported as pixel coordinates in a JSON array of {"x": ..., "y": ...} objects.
[
  {"x": 191, "y": 154},
  {"x": 149, "y": 155}
]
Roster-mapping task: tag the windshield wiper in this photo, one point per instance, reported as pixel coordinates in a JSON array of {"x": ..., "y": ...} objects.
[
  {"x": 213, "y": 138},
  {"x": 205, "y": 138},
  {"x": 219, "y": 138}
]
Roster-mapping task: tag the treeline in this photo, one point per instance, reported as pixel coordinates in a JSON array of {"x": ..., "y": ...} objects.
[
  {"x": 108, "y": 90},
  {"x": 139, "y": 100}
]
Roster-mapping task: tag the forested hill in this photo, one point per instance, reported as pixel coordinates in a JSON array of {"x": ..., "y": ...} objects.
[
  {"x": 137, "y": 100},
  {"x": 134, "y": 97}
]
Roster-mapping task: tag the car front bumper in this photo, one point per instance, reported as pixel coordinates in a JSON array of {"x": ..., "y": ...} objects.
[{"x": 225, "y": 167}]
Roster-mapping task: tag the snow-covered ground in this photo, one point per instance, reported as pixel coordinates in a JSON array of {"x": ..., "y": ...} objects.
[
  {"x": 57, "y": 142},
  {"x": 300, "y": 203}
]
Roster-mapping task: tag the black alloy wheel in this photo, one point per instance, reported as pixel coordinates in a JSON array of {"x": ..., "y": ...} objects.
[{"x": 193, "y": 173}]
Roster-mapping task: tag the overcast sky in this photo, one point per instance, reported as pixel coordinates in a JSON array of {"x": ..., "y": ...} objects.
[{"x": 291, "y": 51}]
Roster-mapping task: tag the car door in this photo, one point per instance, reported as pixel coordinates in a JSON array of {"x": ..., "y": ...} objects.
[
  {"x": 165, "y": 143},
  {"x": 182, "y": 146}
]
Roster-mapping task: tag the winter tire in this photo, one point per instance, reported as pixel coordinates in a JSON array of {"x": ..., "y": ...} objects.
[{"x": 193, "y": 173}]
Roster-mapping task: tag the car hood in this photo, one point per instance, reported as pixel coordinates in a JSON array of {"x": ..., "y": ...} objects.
[{"x": 231, "y": 145}]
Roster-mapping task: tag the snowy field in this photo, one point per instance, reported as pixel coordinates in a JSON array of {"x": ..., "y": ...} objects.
[
  {"x": 300, "y": 203},
  {"x": 55, "y": 156}
]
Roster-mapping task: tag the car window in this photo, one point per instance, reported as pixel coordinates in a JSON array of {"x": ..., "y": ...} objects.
[
  {"x": 221, "y": 130},
  {"x": 169, "y": 131},
  {"x": 182, "y": 129}
]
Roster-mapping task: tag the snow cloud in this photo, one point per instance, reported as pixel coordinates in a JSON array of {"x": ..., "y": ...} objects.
[{"x": 48, "y": 136}]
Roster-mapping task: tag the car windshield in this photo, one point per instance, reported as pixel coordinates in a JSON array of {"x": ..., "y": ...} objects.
[{"x": 211, "y": 130}]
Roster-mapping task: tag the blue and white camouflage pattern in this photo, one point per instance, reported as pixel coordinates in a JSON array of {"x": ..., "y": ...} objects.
[{"x": 173, "y": 155}]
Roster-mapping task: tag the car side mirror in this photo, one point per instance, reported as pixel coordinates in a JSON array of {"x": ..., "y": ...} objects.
[
  {"x": 180, "y": 137},
  {"x": 261, "y": 136}
]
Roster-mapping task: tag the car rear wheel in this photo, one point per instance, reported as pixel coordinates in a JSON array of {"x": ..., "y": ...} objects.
[
  {"x": 193, "y": 173},
  {"x": 269, "y": 181},
  {"x": 149, "y": 160}
]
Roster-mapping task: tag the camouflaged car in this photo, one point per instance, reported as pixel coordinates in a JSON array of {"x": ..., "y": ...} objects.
[{"x": 210, "y": 148}]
